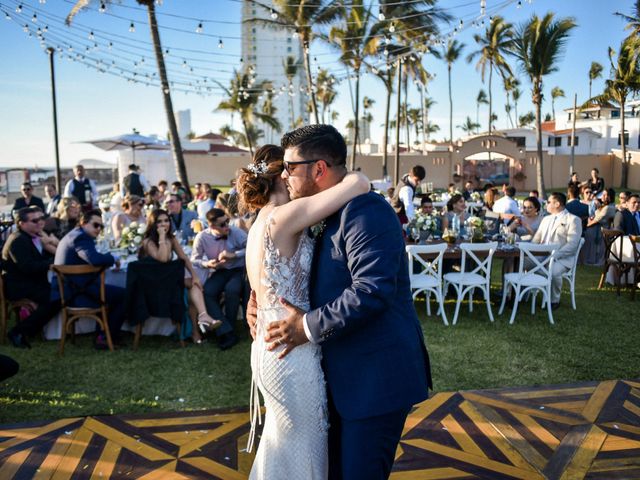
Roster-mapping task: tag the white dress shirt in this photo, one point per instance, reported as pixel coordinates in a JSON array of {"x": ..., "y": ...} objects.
[
  {"x": 506, "y": 205},
  {"x": 406, "y": 197}
]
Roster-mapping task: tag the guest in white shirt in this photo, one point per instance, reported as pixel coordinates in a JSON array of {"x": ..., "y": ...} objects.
[
  {"x": 402, "y": 201},
  {"x": 507, "y": 206},
  {"x": 205, "y": 205},
  {"x": 83, "y": 188},
  {"x": 565, "y": 229}
]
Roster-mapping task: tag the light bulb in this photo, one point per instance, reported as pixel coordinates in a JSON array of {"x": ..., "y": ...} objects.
[
  {"x": 91, "y": 36},
  {"x": 295, "y": 34},
  {"x": 274, "y": 14},
  {"x": 102, "y": 8},
  {"x": 7, "y": 16},
  {"x": 132, "y": 28},
  {"x": 381, "y": 16},
  {"x": 19, "y": 9},
  {"x": 519, "y": 5},
  {"x": 220, "y": 44},
  {"x": 199, "y": 28},
  {"x": 34, "y": 19},
  {"x": 392, "y": 28},
  {"x": 110, "y": 45}
]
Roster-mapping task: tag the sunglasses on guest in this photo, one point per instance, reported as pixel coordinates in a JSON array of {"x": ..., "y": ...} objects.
[
  {"x": 287, "y": 165},
  {"x": 37, "y": 220},
  {"x": 222, "y": 225},
  {"x": 97, "y": 225}
]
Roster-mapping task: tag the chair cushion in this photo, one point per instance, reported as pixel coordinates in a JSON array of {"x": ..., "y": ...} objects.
[
  {"x": 526, "y": 279},
  {"x": 465, "y": 278}
]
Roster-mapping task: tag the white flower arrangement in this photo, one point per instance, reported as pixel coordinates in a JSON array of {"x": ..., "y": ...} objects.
[
  {"x": 475, "y": 222},
  {"x": 104, "y": 200},
  {"x": 476, "y": 197},
  {"x": 424, "y": 222},
  {"x": 132, "y": 235}
]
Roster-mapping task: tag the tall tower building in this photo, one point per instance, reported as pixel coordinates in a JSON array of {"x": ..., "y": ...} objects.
[{"x": 267, "y": 49}]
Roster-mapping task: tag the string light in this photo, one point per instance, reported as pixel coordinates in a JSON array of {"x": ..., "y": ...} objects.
[
  {"x": 274, "y": 14},
  {"x": 220, "y": 44},
  {"x": 19, "y": 9},
  {"x": 519, "y": 5},
  {"x": 381, "y": 17},
  {"x": 7, "y": 16},
  {"x": 392, "y": 28},
  {"x": 132, "y": 28},
  {"x": 91, "y": 36},
  {"x": 34, "y": 19},
  {"x": 199, "y": 28},
  {"x": 483, "y": 8},
  {"x": 102, "y": 8}
]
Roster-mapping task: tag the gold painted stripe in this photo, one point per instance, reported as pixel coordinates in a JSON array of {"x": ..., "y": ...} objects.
[
  {"x": 425, "y": 409},
  {"x": 594, "y": 406},
  {"x": 474, "y": 460},
  {"x": 571, "y": 406},
  {"x": 615, "y": 464},
  {"x": 169, "y": 422},
  {"x": 613, "y": 443},
  {"x": 561, "y": 392},
  {"x": 107, "y": 461},
  {"x": 399, "y": 452},
  {"x": 130, "y": 443},
  {"x": 623, "y": 426},
  {"x": 215, "y": 469},
  {"x": 538, "y": 430},
  {"x": 461, "y": 437},
  {"x": 180, "y": 438},
  {"x": 631, "y": 407},
  {"x": 13, "y": 463},
  {"x": 512, "y": 407},
  {"x": 211, "y": 436},
  {"x": 31, "y": 433},
  {"x": 584, "y": 456},
  {"x": 74, "y": 454},
  {"x": 55, "y": 456},
  {"x": 430, "y": 474},
  {"x": 633, "y": 384}
]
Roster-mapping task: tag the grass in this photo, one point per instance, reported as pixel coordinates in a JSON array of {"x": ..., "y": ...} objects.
[{"x": 598, "y": 341}]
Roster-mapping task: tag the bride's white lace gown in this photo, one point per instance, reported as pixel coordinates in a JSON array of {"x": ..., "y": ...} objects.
[{"x": 293, "y": 444}]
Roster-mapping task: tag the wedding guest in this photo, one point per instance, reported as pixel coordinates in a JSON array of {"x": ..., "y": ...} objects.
[
  {"x": 224, "y": 247},
  {"x": 405, "y": 191},
  {"x": 132, "y": 207},
  {"x": 228, "y": 202},
  {"x": 82, "y": 188},
  {"x": 594, "y": 248},
  {"x": 153, "y": 198},
  {"x": 181, "y": 220},
  {"x": 26, "y": 258},
  {"x": 426, "y": 207},
  {"x": 490, "y": 196},
  {"x": 628, "y": 220},
  {"x": 53, "y": 198},
  {"x": 197, "y": 187},
  {"x": 528, "y": 223},
  {"x": 595, "y": 183},
  {"x": 456, "y": 214},
  {"x": 64, "y": 219},
  {"x": 622, "y": 200},
  {"x": 589, "y": 199},
  {"x": 535, "y": 194},
  {"x": 574, "y": 181},
  {"x": 468, "y": 190},
  {"x": 27, "y": 199},
  {"x": 207, "y": 204},
  {"x": 163, "y": 187},
  {"x": 576, "y": 207},
  {"x": 160, "y": 244},
  {"x": 507, "y": 206},
  {"x": 134, "y": 183},
  {"x": 115, "y": 203},
  {"x": 78, "y": 247}
]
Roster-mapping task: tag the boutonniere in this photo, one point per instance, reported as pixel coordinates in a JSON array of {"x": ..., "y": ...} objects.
[{"x": 318, "y": 228}]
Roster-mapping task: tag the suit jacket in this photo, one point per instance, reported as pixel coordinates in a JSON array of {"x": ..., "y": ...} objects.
[
  {"x": 34, "y": 202},
  {"x": 25, "y": 268},
  {"x": 577, "y": 208},
  {"x": 625, "y": 221},
  {"x": 185, "y": 223},
  {"x": 566, "y": 230},
  {"x": 374, "y": 357},
  {"x": 52, "y": 206}
]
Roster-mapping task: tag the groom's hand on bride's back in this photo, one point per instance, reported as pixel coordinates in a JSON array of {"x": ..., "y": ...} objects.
[
  {"x": 288, "y": 332},
  {"x": 252, "y": 314}
]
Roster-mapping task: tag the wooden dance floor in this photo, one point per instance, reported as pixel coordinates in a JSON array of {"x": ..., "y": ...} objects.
[{"x": 586, "y": 430}]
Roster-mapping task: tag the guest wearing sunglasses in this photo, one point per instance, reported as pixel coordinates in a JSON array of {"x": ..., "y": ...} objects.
[
  {"x": 181, "y": 220},
  {"x": 28, "y": 199},
  {"x": 26, "y": 258},
  {"x": 78, "y": 247},
  {"x": 221, "y": 248}
]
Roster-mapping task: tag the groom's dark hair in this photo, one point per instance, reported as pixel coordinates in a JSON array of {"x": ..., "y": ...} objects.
[{"x": 318, "y": 142}]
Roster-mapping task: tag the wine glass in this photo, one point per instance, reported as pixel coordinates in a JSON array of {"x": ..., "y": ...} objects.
[{"x": 415, "y": 234}]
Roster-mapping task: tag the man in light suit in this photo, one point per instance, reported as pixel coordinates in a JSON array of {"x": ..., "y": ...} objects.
[
  {"x": 565, "y": 229},
  {"x": 181, "y": 219}
]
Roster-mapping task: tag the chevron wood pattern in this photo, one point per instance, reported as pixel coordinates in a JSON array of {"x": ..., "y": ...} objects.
[{"x": 587, "y": 430}]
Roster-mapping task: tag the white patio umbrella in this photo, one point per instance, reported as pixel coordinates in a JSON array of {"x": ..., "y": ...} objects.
[{"x": 134, "y": 141}]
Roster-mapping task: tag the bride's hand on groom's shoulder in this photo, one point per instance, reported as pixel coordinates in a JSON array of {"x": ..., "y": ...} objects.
[{"x": 288, "y": 332}]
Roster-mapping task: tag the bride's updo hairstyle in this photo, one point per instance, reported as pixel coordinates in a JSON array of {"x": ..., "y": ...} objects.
[{"x": 257, "y": 180}]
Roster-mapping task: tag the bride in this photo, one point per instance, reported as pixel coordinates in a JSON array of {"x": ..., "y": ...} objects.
[{"x": 279, "y": 253}]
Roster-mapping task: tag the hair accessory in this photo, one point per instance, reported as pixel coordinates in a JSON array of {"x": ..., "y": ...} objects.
[{"x": 257, "y": 168}]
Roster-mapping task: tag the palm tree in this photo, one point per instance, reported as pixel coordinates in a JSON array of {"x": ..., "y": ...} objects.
[
  {"x": 481, "y": 99},
  {"x": 242, "y": 98},
  {"x": 469, "y": 126},
  {"x": 291, "y": 67},
  {"x": 176, "y": 146},
  {"x": 356, "y": 38},
  {"x": 624, "y": 81},
  {"x": 414, "y": 117},
  {"x": 527, "y": 119},
  {"x": 428, "y": 103},
  {"x": 594, "y": 72},
  {"x": 495, "y": 43},
  {"x": 299, "y": 17},
  {"x": 515, "y": 94},
  {"x": 431, "y": 128},
  {"x": 539, "y": 45},
  {"x": 450, "y": 55},
  {"x": 556, "y": 92},
  {"x": 326, "y": 91},
  {"x": 510, "y": 84}
]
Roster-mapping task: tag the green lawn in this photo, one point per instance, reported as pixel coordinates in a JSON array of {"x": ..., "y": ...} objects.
[{"x": 599, "y": 341}]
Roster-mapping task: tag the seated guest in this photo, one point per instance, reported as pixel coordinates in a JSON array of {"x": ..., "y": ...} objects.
[
  {"x": 27, "y": 199},
  {"x": 132, "y": 207},
  {"x": 8, "y": 367},
  {"x": 181, "y": 220},
  {"x": 160, "y": 244},
  {"x": 534, "y": 193},
  {"x": 426, "y": 207},
  {"x": 153, "y": 198},
  {"x": 468, "y": 190},
  {"x": 594, "y": 249},
  {"x": 64, "y": 219},
  {"x": 589, "y": 199},
  {"x": 490, "y": 195},
  {"x": 565, "y": 229},
  {"x": 163, "y": 187},
  {"x": 574, "y": 181},
  {"x": 455, "y": 215},
  {"x": 595, "y": 182},
  {"x": 229, "y": 204},
  {"x": 507, "y": 206},
  {"x": 53, "y": 198},
  {"x": 628, "y": 220},
  {"x": 78, "y": 247},
  {"x": 224, "y": 249},
  {"x": 208, "y": 203},
  {"x": 26, "y": 256},
  {"x": 528, "y": 223},
  {"x": 575, "y": 206},
  {"x": 622, "y": 200}
]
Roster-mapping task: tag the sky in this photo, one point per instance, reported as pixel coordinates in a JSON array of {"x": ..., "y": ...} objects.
[{"x": 95, "y": 105}]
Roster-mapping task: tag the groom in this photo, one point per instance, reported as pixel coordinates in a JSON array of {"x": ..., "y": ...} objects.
[{"x": 374, "y": 358}]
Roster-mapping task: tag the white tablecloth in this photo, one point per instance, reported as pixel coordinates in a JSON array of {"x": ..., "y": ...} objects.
[{"x": 627, "y": 256}]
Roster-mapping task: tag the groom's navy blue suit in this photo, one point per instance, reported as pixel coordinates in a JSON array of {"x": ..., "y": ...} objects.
[{"x": 374, "y": 358}]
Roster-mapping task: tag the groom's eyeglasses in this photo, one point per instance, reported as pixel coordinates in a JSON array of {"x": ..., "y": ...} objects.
[{"x": 288, "y": 165}]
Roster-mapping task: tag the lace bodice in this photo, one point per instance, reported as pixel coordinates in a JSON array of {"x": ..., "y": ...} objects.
[{"x": 286, "y": 277}]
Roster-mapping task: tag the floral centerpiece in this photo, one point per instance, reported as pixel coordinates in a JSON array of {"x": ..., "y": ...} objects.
[
  {"x": 476, "y": 228},
  {"x": 132, "y": 236},
  {"x": 104, "y": 201},
  {"x": 476, "y": 197},
  {"x": 424, "y": 224}
]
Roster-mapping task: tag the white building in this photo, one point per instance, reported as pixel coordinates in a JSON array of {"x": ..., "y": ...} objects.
[{"x": 267, "y": 49}]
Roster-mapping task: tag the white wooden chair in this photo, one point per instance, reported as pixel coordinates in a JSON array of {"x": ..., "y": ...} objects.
[
  {"x": 425, "y": 273},
  {"x": 570, "y": 276},
  {"x": 533, "y": 276},
  {"x": 480, "y": 255}
]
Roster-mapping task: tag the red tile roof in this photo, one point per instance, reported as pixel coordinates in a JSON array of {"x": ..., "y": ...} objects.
[
  {"x": 211, "y": 136},
  {"x": 548, "y": 126}
]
